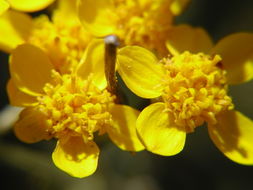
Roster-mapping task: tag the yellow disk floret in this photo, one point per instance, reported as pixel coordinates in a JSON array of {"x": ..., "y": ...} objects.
[
  {"x": 63, "y": 41},
  {"x": 195, "y": 89},
  {"x": 145, "y": 23},
  {"x": 75, "y": 107}
]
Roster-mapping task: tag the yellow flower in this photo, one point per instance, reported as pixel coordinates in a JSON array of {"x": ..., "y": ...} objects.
[
  {"x": 63, "y": 39},
  {"x": 135, "y": 22},
  {"x": 192, "y": 90},
  {"x": 70, "y": 107},
  {"x": 24, "y": 5}
]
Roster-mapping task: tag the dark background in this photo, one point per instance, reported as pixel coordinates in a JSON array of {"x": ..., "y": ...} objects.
[{"x": 199, "y": 166}]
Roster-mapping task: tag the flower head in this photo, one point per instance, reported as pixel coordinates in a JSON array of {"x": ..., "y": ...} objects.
[
  {"x": 62, "y": 37},
  {"x": 195, "y": 89},
  {"x": 135, "y": 22},
  {"x": 70, "y": 107},
  {"x": 192, "y": 89}
]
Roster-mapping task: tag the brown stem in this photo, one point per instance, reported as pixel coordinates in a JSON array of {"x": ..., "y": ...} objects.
[{"x": 111, "y": 44}]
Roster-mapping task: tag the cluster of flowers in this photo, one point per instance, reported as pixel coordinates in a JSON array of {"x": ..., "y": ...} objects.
[{"x": 58, "y": 74}]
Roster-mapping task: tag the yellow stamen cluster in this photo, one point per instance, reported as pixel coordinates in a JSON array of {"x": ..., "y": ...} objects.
[
  {"x": 195, "y": 89},
  {"x": 145, "y": 23},
  {"x": 63, "y": 41},
  {"x": 75, "y": 107}
]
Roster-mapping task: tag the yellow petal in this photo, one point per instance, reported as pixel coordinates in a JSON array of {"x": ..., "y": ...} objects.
[
  {"x": 15, "y": 29},
  {"x": 29, "y": 5},
  {"x": 66, "y": 10},
  {"x": 31, "y": 126},
  {"x": 141, "y": 71},
  {"x": 233, "y": 135},
  {"x": 93, "y": 63},
  {"x": 186, "y": 38},
  {"x": 30, "y": 69},
  {"x": 236, "y": 51},
  {"x": 19, "y": 98},
  {"x": 66, "y": 6},
  {"x": 158, "y": 132},
  {"x": 3, "y": 6},
  {"x": 75, "y": 157},
  {"x": 177, "y": 6},
  {"x": 97, "y": 16},
  {"x": 123, "y": 131}
]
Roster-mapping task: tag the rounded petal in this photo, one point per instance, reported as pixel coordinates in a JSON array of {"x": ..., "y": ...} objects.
[
  {"x": 236, "y": 51},
  {"x": 140, "y": 70},
  {"x": 97, "y": 16},
  {"x": 123, "y": 130},
  {"x": 31, "y": 126},
  {"x": 186, "y": 38},
  {"x": 19, "y": 98},
  {"x": 3, "y": 6},
  {"x": 93, "y": 62},
  {"x": 158, "y": 132},
  {"x": 177, "y": 6},
  {"x": 233, "y": 135},
  {"x": 75, "y": 157},
  {"x": 29, "y": 5},
  {"x": 30, "y": 69},
  {"x": 15, "y": 29}
]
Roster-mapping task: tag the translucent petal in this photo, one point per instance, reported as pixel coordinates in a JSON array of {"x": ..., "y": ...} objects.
[
  {"x": 66, "y": 11},
  {"x": 3, "y": 6},
  {"x": 97, "y": 16},
  {"x": 186, "y": 38},
  {"x": 236, "y": 51},
  {"x": 177, "y": 6},
  {"x": 30, "y": 5},
  {"x": 233, "y": 135},
  {"x": 31, "y": 126},
  {"x": 75, "y": 157},
  {"x": 30, "y": 69},
  {"x": 19, "y": 98},
  {"x": 93, "y": 63},
  {"x": 141, "y": 71},
  {"x": 123, "y": 132},
  {"x": 67, "y": 6},
  {"x": 15, "y": 29},
  {"x": 158, "y": 132}
]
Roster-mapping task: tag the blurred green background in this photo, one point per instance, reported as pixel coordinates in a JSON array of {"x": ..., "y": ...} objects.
[{"x": 199, "y": 166}]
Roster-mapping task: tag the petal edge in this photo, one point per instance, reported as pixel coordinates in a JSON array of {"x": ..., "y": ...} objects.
[
  {"x": 158, "y": 132},
  {"x": 233, "y": 136},
  {"x": 75, "y": 157}
]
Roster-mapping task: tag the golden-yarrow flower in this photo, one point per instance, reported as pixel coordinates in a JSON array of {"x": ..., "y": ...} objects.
[
  {"x": 62, "y": 37},
  {"x": 192, "y": 90},
  {"x": 70, "y": 107},
  {"x": 136, "y": 22},
  {"x": 24, "y": 5}
]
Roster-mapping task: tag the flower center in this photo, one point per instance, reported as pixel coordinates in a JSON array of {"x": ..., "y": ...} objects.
[
  {"x": 63, "y": 41},
  {"x": 144, "y": 23},
  {"x": 195, "y": 89},
  {"x": 75, "y": 107}
]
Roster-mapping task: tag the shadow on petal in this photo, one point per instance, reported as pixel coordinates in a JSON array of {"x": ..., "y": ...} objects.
[
  {"x": 158, "y": 132},
  {"x": 31, "y": 126},
  {"x": 233, "y": 136},
  {"x": 16, "y": 28},
  {"x": 74, "y": 156},
  {"x": 123, "y": 130}
]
